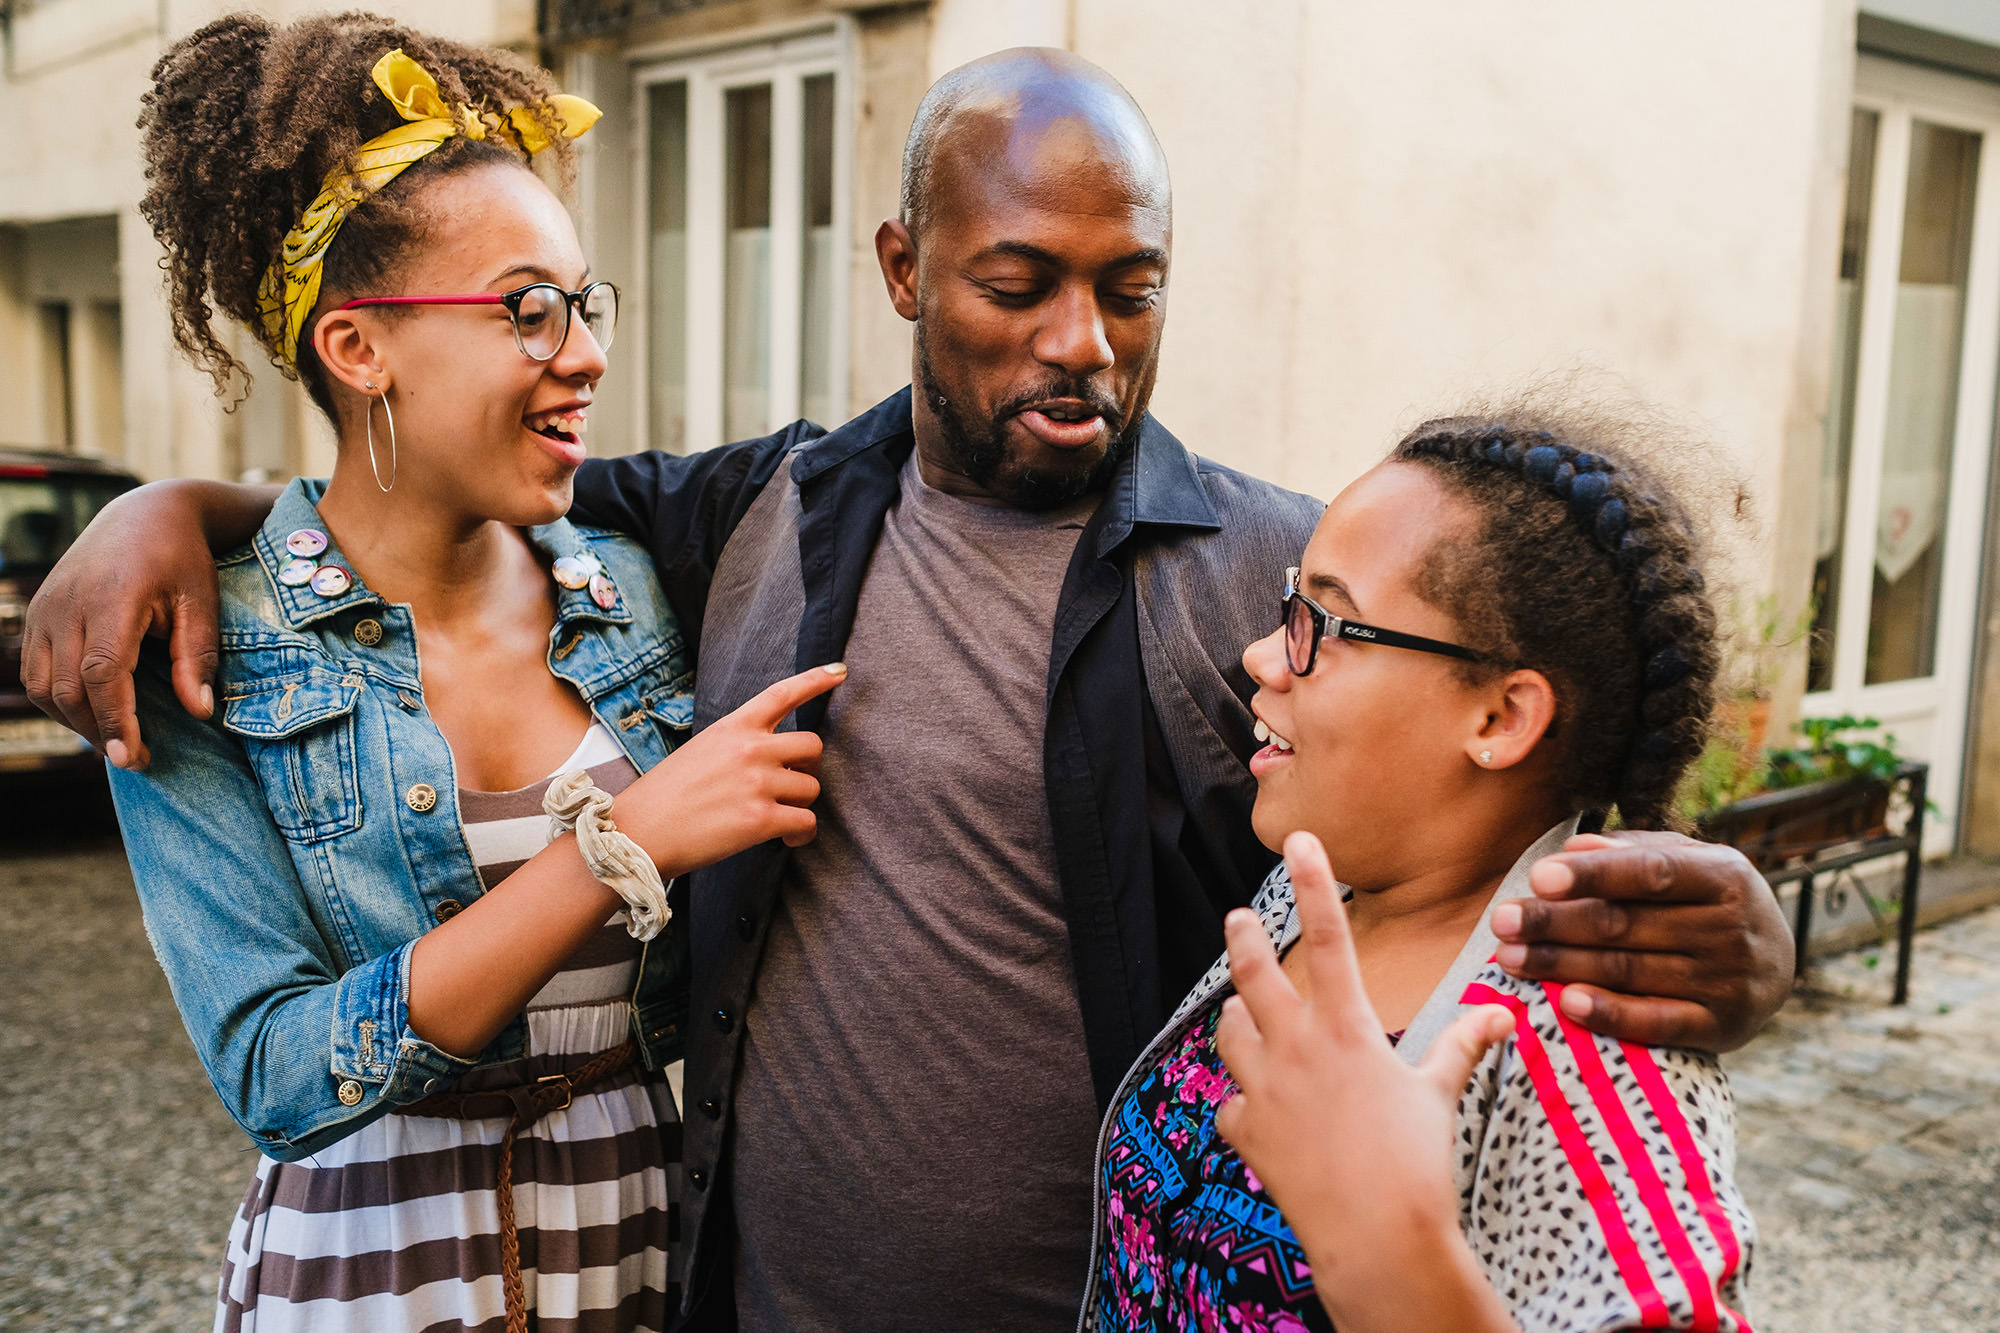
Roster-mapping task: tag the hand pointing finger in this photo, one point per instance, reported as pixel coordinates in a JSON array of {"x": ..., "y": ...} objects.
[{"x": 776, "y": 702}]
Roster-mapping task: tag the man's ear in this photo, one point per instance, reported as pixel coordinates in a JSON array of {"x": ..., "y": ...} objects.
[
  {"x": 1519, "y": 708},
  {"x": 896, "y": 252},
  {"x": 348, "y": 350}
]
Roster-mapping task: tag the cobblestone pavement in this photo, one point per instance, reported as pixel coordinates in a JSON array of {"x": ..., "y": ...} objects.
[
  {"x": 1869, "y": 1143},
  {"x": 119, "y": 1171},
  {"x": 1869, "y": 1147}
]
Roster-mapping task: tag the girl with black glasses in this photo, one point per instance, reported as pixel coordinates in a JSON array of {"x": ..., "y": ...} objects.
[{"x": 1358, "y": 1119}]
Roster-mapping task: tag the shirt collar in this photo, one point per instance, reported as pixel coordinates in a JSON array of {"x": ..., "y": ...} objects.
[
  {"x": 888, "y": 422},
  {"x": 561, "y": 538},
  {"x": 1157, "y": 483},
  {"x": 296, "y": 513},
  {"x": 297, "y": 510}
]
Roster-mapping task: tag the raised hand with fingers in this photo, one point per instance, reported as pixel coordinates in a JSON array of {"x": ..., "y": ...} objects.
[
  {"x": 1352, "y": 1144},
  {"x": 739, "y": 782},
  {"x": 1663, "y": 940}
]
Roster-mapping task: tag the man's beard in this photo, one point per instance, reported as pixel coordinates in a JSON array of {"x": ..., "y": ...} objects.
[{"x": 979, "y": 451}]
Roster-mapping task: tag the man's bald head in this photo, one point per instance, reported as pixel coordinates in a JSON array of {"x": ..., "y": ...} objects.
[
  {"x": 1001, "y": 111},
  {"x": 1031, "y": 260}
]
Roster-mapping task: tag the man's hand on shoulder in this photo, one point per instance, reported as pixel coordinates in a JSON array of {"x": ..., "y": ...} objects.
[
  {"x": 1663, "y": 940},
  {"x": 143, "y": 566}
]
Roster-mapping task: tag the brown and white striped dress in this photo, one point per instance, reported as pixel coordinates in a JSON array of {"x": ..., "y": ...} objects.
[{"x": 397, "y": 1225}]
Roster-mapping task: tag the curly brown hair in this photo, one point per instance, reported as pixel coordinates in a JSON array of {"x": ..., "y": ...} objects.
[
  {"x": 244, "y": 121},
  {"x": 1586, "y": 565}
]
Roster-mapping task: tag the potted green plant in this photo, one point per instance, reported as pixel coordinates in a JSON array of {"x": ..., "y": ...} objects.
[{"x": 1832, "y": 789}]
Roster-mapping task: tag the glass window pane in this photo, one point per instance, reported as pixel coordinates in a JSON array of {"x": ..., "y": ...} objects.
[
  {"x": 40, "y": 518},
  {"x": 746, "y": 347},
  {"x": 1840, "y": 404},
  {"x": 1923, "y": 403},
  {"x": 816, "y": 387},
  {"x": 666, "y": 264},
  {"x": 56, "y": 376}
]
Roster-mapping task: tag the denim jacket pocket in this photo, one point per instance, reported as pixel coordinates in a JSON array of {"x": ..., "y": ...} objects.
[
  {"x": 298, "y": 729},
  {"x": 672, "y": 703}
]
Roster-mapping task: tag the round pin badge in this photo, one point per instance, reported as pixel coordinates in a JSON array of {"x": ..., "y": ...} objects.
[
  {"x": 330, "y": 581},
  {"x": 306, "y": 542},
  {"x": 603, "y": 592},
  {"x": 574, "y": 571},
  {"x": 296, "y": 573}
]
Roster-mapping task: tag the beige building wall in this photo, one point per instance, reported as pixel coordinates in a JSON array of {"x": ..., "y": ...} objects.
[
  {"x": 1416, "y": 203},
  {"x": 1383, "y": 211},
  {"x": 1404, "y": 205}
]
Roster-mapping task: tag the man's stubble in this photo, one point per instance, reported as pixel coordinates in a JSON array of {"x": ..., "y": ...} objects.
[{"x": 979, "y": 450}]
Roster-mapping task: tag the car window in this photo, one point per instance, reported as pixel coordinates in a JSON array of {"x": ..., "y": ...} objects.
[{"x": 41, "y": 516}]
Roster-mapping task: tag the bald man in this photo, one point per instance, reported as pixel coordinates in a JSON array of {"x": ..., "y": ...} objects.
[{"x": 1035, "y": 810}]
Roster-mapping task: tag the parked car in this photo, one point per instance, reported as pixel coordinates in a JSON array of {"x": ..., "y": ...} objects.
[{"x": 45, "y": 501}]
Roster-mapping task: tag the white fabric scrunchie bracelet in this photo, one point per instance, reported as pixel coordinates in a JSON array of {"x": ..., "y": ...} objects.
[{"x": 573, "y": 801}]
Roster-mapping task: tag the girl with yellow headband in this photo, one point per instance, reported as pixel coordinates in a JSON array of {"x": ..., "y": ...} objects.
[{"x": 429, "y": 974}]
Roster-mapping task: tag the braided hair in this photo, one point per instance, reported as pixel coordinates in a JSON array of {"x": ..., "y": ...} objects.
[
  {"x": 243, "y": 122},
  {"x": 1584, "y": 567}
]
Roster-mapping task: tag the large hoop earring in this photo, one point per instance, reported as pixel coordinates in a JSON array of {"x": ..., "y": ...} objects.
[{"x": 373, "y": 466}]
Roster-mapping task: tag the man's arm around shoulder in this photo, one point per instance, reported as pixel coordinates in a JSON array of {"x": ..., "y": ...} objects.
[{"x": 143, "y": 566}]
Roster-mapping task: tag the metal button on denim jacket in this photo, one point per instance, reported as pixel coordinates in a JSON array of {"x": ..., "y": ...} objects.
[{"x": 289, "y": 851}]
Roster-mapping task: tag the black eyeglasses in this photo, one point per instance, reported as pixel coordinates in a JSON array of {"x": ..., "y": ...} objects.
[
  {"x": 1306, "y": 622},
  {"x": 540, "y": 313}
]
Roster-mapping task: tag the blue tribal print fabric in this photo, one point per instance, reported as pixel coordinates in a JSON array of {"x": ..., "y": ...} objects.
[{"x": 1192, "y": 1241}]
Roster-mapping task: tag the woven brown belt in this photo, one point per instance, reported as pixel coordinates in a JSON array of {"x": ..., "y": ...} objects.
[{"x": 523, "y": 1104}]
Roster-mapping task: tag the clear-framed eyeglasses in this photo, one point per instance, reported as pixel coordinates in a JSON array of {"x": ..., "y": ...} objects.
[{"x": 540, "y": 313}]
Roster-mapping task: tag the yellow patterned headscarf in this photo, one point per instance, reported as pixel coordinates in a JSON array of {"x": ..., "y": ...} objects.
[{"x": 290, "y": 288}]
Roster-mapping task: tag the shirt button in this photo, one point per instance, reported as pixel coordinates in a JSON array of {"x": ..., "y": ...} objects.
[
  {"x": 409, "y": 701},
  {"x": 711, "y": 1108},
  {"x": 723, "y": 1022},
  {"x": 447, "y": 909},
  {"x": 746, "y": 925},
  {"x": 350, "y": 1092},
  {"x": 698, "y": 1178},
  {"x": 421, "y": 797},
  {"x": 368, "y": 633}
]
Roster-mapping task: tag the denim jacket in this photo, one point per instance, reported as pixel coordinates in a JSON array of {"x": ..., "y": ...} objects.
[{"x": 290, "y": 851}]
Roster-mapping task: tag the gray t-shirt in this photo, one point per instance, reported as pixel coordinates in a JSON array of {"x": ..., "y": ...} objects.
[{"x": 914, "y": 1118}]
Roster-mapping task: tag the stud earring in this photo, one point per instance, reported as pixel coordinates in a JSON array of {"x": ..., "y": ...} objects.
[
  {"x": 1486, "y": 756},
  {"x": 374, "y": 466}
]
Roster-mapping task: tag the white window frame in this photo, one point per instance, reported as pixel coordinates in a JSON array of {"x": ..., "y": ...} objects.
[
  {"x": 784, "y": 62},
  {"x": 1899, "y": 94}
]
